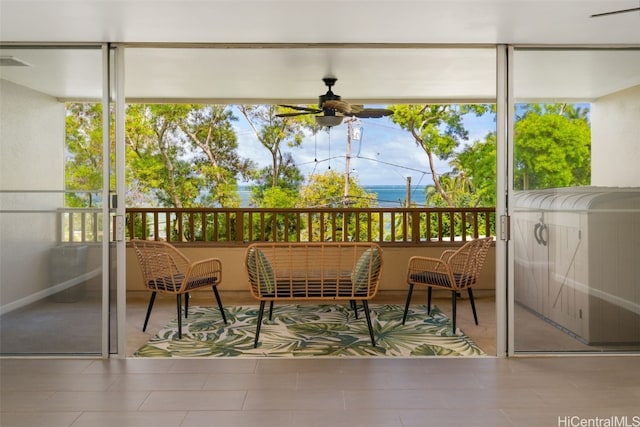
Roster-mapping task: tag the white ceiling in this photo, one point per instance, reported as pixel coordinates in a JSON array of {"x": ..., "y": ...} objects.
[{"x": 380, "y": 50}]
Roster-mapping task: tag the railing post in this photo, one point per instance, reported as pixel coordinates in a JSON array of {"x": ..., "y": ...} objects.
[
  {"x": 239, "y": 226},
  {"x": 415, "y": 227}
]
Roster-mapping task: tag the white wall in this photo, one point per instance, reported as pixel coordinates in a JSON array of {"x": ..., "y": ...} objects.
[
  {"x": 31, "y": 158},
  {"x": 615, "y": 136}
]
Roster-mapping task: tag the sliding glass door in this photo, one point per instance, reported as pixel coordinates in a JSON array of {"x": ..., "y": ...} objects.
[
  {"x": 575, "y": 200},
  {"x": 54, "y": 216}
]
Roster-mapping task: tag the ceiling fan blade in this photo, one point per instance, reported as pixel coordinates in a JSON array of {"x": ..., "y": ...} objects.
[
  {"x": 338, "y": 105},
  {"x": 304, "y": 113},
  {"x": 300, "y": 108},
  {"x": 372, "y": 113},
  {"x": 615, "y": 12}
]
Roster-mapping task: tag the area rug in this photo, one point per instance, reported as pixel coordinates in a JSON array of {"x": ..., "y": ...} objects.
[{"x": 309, "y": 330}]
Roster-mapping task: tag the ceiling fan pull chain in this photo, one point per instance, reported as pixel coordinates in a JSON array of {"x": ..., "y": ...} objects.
[
  {"x": 315, "y": 146},
  {"x": 329, "y": 132}
]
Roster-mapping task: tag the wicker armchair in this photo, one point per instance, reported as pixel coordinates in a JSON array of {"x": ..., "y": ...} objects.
[
  {"x": 455, "y": 270},
  {"x": 167, "y": 270}
]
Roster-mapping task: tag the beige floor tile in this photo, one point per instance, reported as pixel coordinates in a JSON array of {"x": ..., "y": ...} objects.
[
  {"x": 492, "y": 398},
  {"x": 154, "y": 382},
  {"x": 131, "y": 418},
  {"x": 20, "y": 401},
  {"x": 268, "y": 418},
  {"x": 201, "y": 400},
  {"x": 343, "y": 381},
  {"x": 23, "y": 365},
  {"x": 347, "y": 418},
  {"x": 261, "y": 400},
  {"x": 70, "y": 401},
  {"x": 214, "y": 365},
  {"x": 586, "y": 398},
  {"x": 53, "y": 382},
  {"x": 358, "y": 400},
  {"x": 251, "y": 381},
  {"x": 130, "y": 366},
  {"x": 38, "y": 419},
  {"x": 456, "y": 417}
]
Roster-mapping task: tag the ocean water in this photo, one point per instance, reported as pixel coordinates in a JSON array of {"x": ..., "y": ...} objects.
[
  {"x": 395, "y": 195},
  {"x": 387, "y": 195}
]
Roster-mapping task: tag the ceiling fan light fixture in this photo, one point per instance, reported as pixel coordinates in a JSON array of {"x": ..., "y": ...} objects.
[{"x": 328, "y": 121}]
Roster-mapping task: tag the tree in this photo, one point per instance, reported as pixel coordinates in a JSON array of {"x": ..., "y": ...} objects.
[
  {"x": 438, "y": 130},
  {"x": 327, "y": 191},
  {"x": 159, "y": 164},
  {"x": 208, "y": 128},
  {"x": 477, "y": 162},
  {"x": 272, "y": 132},
  {"x": 185, "y": 154},
  {"x": 83, "y": 153},
  {"x": 552, "y": 148},
  {"x": 289, "y": 181}
]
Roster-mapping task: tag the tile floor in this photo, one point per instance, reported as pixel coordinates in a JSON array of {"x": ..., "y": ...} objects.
[
  {"x": 553, "y": 391},
  {"x": 484, "y": 391}
]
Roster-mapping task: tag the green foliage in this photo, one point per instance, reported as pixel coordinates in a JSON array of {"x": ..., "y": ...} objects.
[
  {"x": 552, "y": 148},
  {"x": 83, "y": 154},
  {"x": 185, "y": 154},
  {"x": 289, "y": 180},
  {"x": 278, "y": 198},
  {"x": 327, "y": 191},
  {"x": 272, "y": 132},
  {"x": 438, "y": 129},
  {"x": 477, "y": 165}
]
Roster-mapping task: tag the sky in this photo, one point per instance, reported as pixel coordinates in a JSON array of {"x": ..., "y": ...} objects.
[{"x": 383, "y": 154}]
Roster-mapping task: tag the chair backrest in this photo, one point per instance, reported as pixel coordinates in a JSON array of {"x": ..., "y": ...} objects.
[
  {"x": 159, "y": 260},
  {"x": 466, "y": 263},
  {"x": 337, "y": 270}
]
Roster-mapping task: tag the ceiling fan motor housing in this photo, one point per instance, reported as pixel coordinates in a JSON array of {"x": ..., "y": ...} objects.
[{"x": 329, "y": 96}]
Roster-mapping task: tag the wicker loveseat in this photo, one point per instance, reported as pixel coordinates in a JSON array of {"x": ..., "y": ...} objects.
[{"x": 335, "y": 271}]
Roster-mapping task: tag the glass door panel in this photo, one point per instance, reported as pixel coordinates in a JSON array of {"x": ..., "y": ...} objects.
[
  {"x": 575, "y": 200},
  {"x": 51, "y": 200}
]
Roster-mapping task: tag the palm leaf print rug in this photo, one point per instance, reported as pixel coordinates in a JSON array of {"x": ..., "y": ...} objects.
[{"x": 310, "y": 330}]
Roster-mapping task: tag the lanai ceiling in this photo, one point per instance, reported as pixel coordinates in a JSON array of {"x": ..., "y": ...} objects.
[{"x": 380, "y": 50}]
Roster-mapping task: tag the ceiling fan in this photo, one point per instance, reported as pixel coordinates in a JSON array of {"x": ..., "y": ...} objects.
[
  {"x": 334, "y": 109},
  {"x": 615, "y": 12}
]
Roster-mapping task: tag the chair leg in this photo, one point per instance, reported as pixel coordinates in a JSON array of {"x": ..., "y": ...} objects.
[
  {"x": 365, "y": 307},
  {"x": 354, "y": 307},
  {"x": 149, "y": 307},
  {"x": 179, "y": 305},
  {"x": 429, "y": 292},
  {"x": 454, "y": 296},
  {"x": 186, "y": 305},
  {"x": 270, "y": 309},
  {"x": 217, "y": 294},
  {"x": 406, "y": 306},
  {"x": 260, "y": 314},
  {"x": 473, "y": 305}
]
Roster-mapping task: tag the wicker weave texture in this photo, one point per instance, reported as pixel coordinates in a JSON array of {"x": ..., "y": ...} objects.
[
  {"x": 454, "y": 270},
  {"x": 166, "y": 269},
  {"x": 331, "y": 270}
]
